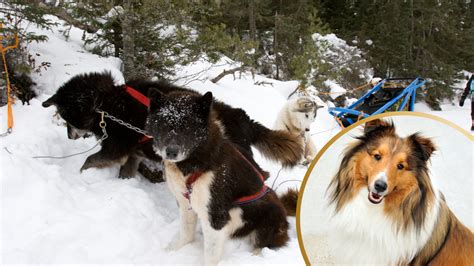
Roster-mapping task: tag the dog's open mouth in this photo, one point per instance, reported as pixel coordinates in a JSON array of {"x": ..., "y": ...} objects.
[{"x": 375, "y": 197}]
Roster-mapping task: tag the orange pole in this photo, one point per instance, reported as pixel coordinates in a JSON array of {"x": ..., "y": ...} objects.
[{"x": 9, "y": 97}]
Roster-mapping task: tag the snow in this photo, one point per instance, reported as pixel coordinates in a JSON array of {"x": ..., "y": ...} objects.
[
  {"x": 67, "y": 58},
  {"x": 52, "y": 213},
  {"x": 341, "y": 56},
  {"x": 336, "y": 89}
]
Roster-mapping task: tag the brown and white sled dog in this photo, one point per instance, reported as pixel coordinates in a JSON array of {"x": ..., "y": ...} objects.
[
  {"x": 386, "y": 210},
  {"x": 211, "y": 178},
  {"x": 296, "y": 117}
]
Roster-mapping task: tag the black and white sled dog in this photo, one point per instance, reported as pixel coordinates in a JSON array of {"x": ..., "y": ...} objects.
[
  {"x": 80, "y": 100},
  {"x": 210, "y": 177},
  {"x": 296, "y": 117}
]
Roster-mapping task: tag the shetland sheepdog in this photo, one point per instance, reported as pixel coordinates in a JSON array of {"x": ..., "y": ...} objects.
[{"x": 386, "y": 210}]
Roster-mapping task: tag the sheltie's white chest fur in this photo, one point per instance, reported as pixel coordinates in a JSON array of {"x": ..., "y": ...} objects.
[{"x": 361, "y": 233}]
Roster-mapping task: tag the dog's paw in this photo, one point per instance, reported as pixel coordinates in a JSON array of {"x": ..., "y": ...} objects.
[
  {"x": 257, "y": 252},
  {"x": 85, "y": 166},
  {"x": 89, "y": 163},
  {"x": 126, "y": 173},
  {"x": 177, "y": 244}
]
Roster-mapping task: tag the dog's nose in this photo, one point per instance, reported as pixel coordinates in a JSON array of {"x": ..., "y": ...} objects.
[
  {"x": 380, "y": 186},
  {"x": 172, "y": 152},
  {"x": 307, "y": 129}
]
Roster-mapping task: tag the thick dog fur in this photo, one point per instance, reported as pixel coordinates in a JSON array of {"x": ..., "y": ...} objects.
[
  {"x": 289, "y": 201},
  {"x": 78, "y": 99},
  {"x": 386, "y": 210},
  {"x": 190, "y": 137},
  {"x": 296, "y": 117}
]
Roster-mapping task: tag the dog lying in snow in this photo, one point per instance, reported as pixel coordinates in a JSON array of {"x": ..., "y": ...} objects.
[
  {"x": 296, "y": 117},
  {"x": 210, "y": 176}
]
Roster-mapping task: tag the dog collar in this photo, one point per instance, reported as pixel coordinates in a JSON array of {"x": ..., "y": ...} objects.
[
  {"x": 143, "y": 100},
  {"x": 240, "y": 201},
  {"x": 138, "y": 96},
  {"x": 189, "y": 183}
]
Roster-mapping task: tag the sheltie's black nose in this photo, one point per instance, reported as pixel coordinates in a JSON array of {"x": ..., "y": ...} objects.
[
  {"x": 172, "y": 152},
  {"x": 380, "y": 186}
]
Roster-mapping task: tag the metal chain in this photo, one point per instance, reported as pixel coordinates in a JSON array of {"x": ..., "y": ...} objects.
[{"x": 123, "y": 123}]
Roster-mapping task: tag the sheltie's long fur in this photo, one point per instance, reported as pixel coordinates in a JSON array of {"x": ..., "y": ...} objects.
[{"x": 386, "y": 210}]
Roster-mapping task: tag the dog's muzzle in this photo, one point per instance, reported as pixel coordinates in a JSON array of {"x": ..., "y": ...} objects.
[
  {"x": 74, "y": 133},
  {"x": 377, "y": 191}
]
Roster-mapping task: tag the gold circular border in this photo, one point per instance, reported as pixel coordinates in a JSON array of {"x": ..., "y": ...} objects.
[{"x": 336, "y": 137}]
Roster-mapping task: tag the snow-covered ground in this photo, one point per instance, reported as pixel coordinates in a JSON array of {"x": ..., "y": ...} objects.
[{"x": 51, "y": 213}]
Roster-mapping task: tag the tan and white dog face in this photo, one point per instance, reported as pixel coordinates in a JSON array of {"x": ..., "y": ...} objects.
[
  {"x": 303, "y": 113},
  {"x": 391, "y": 165},
  {"x": 386, "y": 167}
]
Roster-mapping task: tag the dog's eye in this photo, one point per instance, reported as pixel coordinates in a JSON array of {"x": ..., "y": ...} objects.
[
  {"x": 400, "y": 166},
  {"x": 306, "y": 115},
  {"x": 377, "y": 157}
]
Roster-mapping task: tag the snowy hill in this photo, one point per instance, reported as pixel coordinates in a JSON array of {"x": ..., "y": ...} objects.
[{"x": 51, "y": 213}]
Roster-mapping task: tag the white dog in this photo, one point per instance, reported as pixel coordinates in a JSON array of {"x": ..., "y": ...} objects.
[{"x": 296, "y": 117}]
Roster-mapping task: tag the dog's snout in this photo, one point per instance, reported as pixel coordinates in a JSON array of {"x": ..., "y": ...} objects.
[
  {"x": 380, "y": 186},
  {"x": 172, "y": 152},
  {"x": 307, "y": 129}
]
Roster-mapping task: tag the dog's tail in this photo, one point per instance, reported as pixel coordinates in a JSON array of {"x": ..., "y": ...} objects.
[
  {"x": 277, "y": 145},
  {"x": 289, "y": 201}
]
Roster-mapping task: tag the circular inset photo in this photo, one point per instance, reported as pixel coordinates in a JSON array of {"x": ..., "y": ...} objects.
[{"x": 393, "y": 189}]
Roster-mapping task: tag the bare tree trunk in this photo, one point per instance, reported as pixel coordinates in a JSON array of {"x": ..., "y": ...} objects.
[
  {"x": 275, "y": 47},
  {"x": 412, "y": 34},
  {"x": 128, "y": 52},
  {"x": 117, "y": 28},
  {"x": 252, "y": 23}
]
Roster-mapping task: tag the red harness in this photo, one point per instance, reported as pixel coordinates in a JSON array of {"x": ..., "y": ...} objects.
[
  {"x": 240, "y": 201},
  {"x": 143, "y": 100},
  {"x": 138, "y": 96}
]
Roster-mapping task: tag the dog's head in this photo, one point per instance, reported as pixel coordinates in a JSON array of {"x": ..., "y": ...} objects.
[
  {"x": 304, "y": 111},
  {"x": 76, "y": 102},
  {"x": 178, "y": 123},
  {"x": 392, "y": 166},
  {"x": 392, "y": 169}
]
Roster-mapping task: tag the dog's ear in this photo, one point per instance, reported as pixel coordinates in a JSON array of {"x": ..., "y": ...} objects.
[
  {"x": 205, "y": 102},
  {"x": 305, "y": 104},
  {"x": 379, "y": 124},
  {"x": 424, "y": 145},
  {"x": 156, "y": 98},
  {"x": 50, "y": 101}
]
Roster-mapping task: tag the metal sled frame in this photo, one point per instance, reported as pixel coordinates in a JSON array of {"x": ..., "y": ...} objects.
[{"x": 408, "y": 93}]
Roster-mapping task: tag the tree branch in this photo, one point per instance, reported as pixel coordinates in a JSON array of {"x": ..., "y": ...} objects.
[
  {"x": 62, "y": 14},
  {"x": 225, "y": 73}
]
